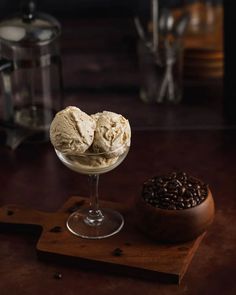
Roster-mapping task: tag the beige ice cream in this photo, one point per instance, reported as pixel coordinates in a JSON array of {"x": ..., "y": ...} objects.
[
  {"x": 72, "y": 131},
  {"x": 112, "y": 134},
  {"x": 90, "y": 144},
  {"x": 93, "y": 161}
]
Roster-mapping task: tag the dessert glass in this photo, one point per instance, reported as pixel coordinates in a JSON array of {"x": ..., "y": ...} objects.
[{"x": 94, "y": 222}]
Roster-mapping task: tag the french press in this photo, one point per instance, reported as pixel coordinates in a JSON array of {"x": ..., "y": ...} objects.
[{"x": 31, "y": 73}]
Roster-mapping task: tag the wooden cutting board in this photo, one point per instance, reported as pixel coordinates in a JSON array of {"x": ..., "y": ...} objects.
[{"x": 129, "y": 252}]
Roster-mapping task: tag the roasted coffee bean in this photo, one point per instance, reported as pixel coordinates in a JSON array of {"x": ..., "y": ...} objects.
[
  {"x": 56, "y": 229},
  {"x": 193, "y": 203},
  {"x": 181, "y": 191},
  {"x": 174, "y": 191},
  {"x": 173, "y": 174},
  {"x": 187, "y": 195},
  {"x": 57, "y": 276},
  {"x": 76, "y": 206},
  {"x": 180, "y": 199},
  {"x": 117, "y": 252},
  {"x": 182, "y": 205},
  {"x": 178, "y": 183},
  {"x": 10, "y": 212}
]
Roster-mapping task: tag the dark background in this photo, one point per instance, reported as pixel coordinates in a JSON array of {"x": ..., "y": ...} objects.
[
  {"x": 85, "y": 9},
  {"x": 90, "y": 8}
]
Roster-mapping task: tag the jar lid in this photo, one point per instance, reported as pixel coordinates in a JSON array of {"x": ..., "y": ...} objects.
[{"x": 29, "y": 27}]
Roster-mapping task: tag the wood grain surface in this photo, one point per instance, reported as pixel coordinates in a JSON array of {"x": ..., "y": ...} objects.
[{"x": 138, "y": 255}]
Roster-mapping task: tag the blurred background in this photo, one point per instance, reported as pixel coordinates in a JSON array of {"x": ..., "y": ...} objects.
[
  {"x": 83, "y": 8},
  {"x": 101, "y": 67}
]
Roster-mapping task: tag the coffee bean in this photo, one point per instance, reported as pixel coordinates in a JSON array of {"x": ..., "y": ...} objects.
[
  {"x": 57, "y": 276},
  {"x": 76, "y": 206},
  {"x": 173, "y": 174},
  {"x": 194, "y": 203},
  {"x": 180, "y": 199},
  {"x": 182, "y": 205},
  {"x": 10, "y": 212},
  {"x": 175, "y": 191},
  {"x": 56, "y": 229},
  {"x": 178, "y": 182},
  {"x": 117, "y": 252}
]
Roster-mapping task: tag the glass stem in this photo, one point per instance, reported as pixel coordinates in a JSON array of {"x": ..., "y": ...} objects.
[{"x": 95, "y": 216}]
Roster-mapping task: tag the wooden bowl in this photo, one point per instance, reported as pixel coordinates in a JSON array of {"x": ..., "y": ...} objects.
[{"x": 174, "y": 225}]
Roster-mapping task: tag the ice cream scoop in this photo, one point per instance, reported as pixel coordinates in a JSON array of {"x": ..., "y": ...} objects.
[
  {"x": 72, "y": 131},
  {"x": 112, "y": 134}
]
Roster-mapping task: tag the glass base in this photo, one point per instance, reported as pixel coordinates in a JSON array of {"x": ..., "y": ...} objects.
[
  {"x": 111, "y": 224},
  {"x": 34, "y": 117}
]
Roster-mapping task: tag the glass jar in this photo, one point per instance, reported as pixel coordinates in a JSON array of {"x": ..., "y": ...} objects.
[
  {"x": 31, "y": 70},
  {"x": 161, "y": 72}
]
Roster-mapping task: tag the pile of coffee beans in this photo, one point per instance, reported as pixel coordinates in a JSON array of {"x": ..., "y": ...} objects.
[{"x": 174, "y": 191}]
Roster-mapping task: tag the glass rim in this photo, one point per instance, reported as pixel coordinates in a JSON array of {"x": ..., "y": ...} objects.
[{"x": 126, "y": 146}]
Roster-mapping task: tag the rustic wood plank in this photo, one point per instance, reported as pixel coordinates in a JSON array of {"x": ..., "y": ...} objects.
[{"x": 140, "y": 256}]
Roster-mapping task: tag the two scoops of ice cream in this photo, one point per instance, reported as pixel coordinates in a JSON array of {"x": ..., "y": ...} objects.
[{"x": 94, "y": 140}]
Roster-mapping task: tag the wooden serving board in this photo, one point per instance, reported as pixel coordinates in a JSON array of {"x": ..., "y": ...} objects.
[{"x": 129, "y": 252}]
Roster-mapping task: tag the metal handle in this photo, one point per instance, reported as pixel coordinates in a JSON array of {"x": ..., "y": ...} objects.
[
  {"x": 6, "y": 65},
  {"x": 28, "y": 8},
  {"x": 6, "y": 68}
]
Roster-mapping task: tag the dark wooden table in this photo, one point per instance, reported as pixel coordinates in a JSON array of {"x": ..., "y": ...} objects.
[
  {"x": 33, "y": 176},
  {"x": 192, "y": 136}
]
